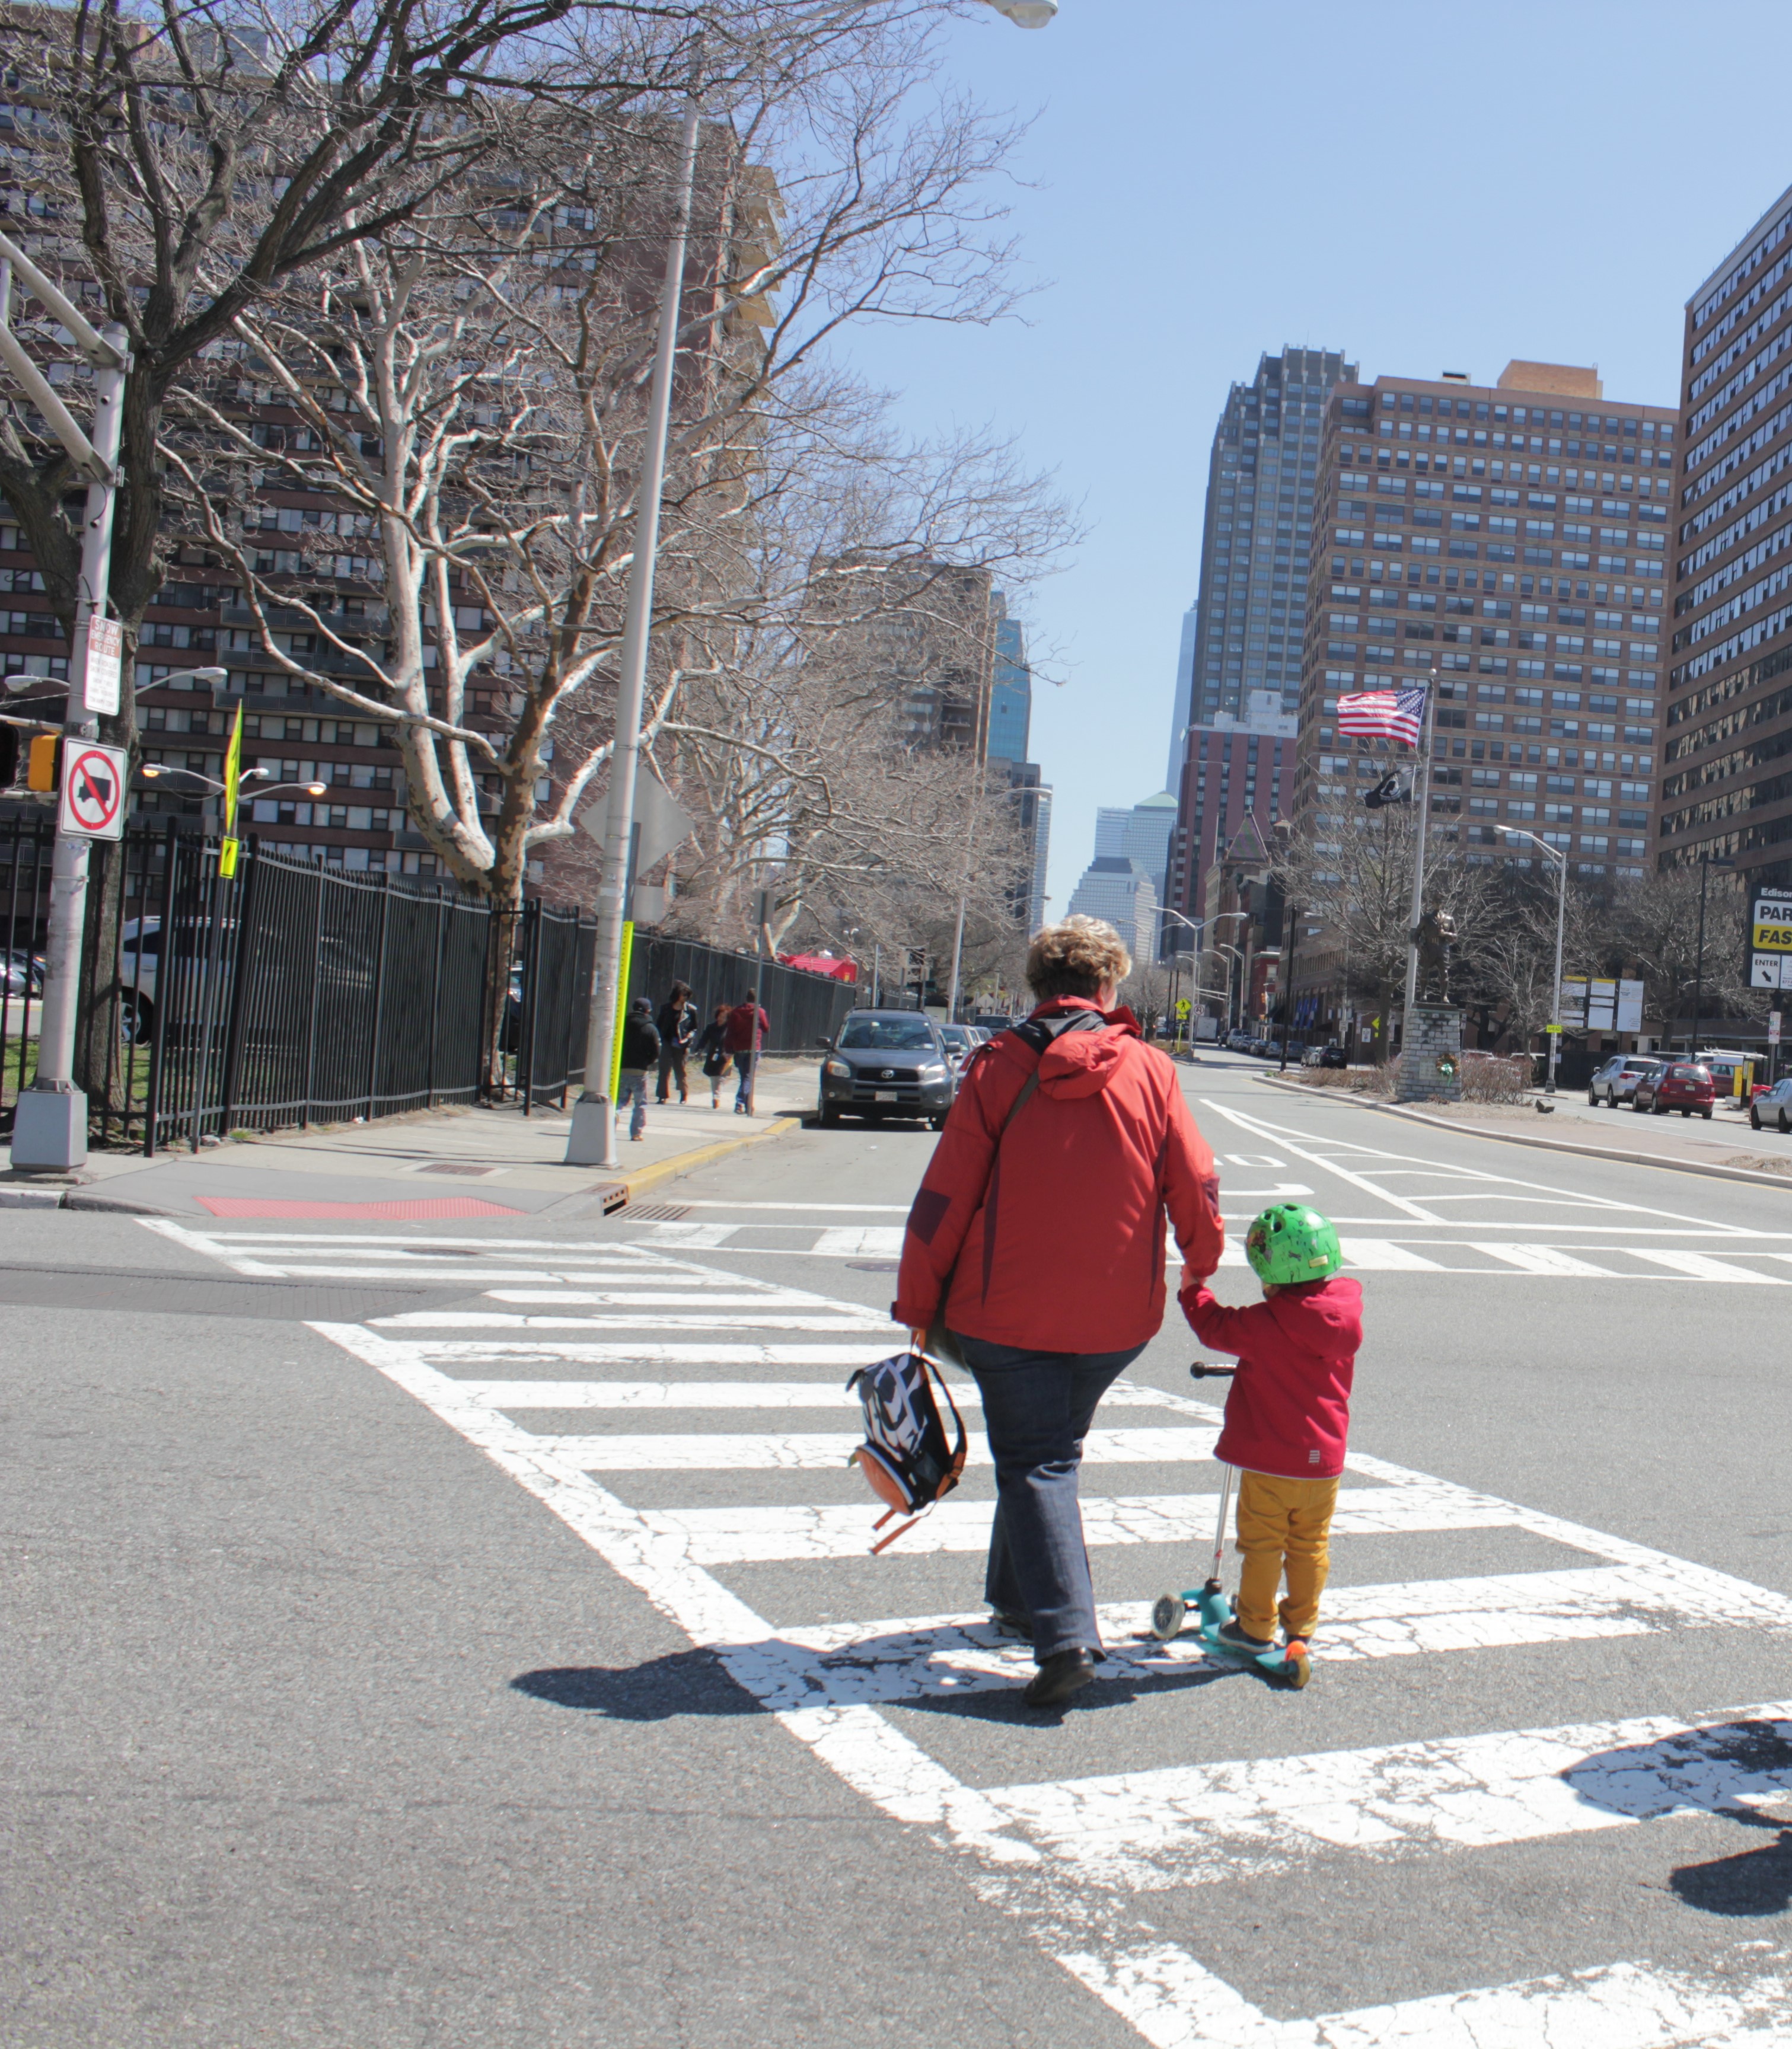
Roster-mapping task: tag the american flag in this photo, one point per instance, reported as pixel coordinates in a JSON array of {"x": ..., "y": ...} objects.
[{"x": 1383, "y": 714}]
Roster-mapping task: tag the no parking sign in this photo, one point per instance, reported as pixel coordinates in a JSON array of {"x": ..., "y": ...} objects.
[{"x": 93, "y": 783}]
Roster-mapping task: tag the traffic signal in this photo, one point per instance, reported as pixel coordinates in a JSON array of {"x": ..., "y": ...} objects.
[{"x": 44, "y": 762}]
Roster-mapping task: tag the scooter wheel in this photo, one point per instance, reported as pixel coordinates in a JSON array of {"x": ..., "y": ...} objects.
[
  {"x": 1167, "y": 1612},
  {"x": 1296, "y": 1671}
]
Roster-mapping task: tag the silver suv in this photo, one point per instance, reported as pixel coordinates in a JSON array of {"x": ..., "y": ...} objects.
[{"x": 1615, "y": 1082}]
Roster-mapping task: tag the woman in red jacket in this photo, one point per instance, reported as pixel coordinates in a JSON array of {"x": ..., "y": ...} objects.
[{"x": 1040, "y": 1240}]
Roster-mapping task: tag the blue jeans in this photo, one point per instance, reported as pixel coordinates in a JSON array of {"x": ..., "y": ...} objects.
[
  {"x": 633, "y": 1089},
  {"x": 1037, "y": 1407}
]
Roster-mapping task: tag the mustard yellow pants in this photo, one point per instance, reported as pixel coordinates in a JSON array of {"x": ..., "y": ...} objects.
[{"x": 1283, "y": 1525}]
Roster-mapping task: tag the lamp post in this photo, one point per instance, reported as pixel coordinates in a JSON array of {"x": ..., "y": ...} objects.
[
  {"x": 1196, "y": 925},
  {"x": 50, "y": 1124},
  {"x": 1707, "y": 862},
  {"x": 1422, "y": 776},
  {"x": 1560, "y": 859},
  {"x": 1223, "y": 948}
]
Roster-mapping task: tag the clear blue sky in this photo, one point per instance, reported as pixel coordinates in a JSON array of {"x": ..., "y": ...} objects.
[{"x": 1425, "y": 186}]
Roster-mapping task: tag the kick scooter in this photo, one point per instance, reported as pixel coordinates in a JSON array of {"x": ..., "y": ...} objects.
[{"x": 1289, "y": 1665}]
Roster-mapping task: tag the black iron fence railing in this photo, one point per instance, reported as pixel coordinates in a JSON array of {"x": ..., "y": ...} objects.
[{"x": 294, "y": 993}]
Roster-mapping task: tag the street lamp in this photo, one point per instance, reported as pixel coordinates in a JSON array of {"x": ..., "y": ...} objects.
[
  {"x": 591, "y": 1139},
  {"x": 1560, "y": 858},
  {"x": 1222, "y": 948},
  {"x": 151, "y": 771},
  {"x": 20, "y": 681},
  {"x": 1707, "y": 862},
  {"x": 50, "y": 1122}
]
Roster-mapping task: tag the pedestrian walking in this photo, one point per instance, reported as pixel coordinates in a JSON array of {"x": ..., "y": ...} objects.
[
  {"x": 1035, "y": 1245},
  {"x": 1287, "y": 1416},
  {"x": 677, "y": 1024},
  {"x": 748, "y": 1028},
  {"x": 711, "y": 1047},
  {"x": 640, "y": 1049}
]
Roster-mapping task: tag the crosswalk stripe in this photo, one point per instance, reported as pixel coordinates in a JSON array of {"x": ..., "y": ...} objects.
[
  {"x": 1382, "y": 1255},
  {"x": 659, "y": 1320},
  {"x": 819, "y": 1451},
  {"x": 665, "y": 1352},
  {"x": 725, "y": 1394},
  {"x": 882, "y": 1240},
  {"x": 1701, "y": 1266},
  {"x": 740, "y": 1536},
  {"x": 1190, "y": 1824},
  {"x": 1546, "y": 1259},
  {"x": 683, "y": 1296}
]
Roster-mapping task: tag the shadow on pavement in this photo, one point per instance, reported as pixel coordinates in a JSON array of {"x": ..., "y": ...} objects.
[
  {"x": 685, "y": 1682},
  {"x": 1751, "y": 1882}
]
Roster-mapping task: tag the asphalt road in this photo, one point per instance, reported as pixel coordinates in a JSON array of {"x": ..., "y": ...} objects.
[{"x": 470, "y": 1638}]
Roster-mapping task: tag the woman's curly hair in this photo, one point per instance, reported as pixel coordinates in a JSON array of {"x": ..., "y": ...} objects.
[{"x": 1079, "y": 957}]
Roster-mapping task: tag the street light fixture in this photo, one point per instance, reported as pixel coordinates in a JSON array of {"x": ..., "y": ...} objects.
[
  {"x": 1560, "y": 858},
  {"x": 591, "y": 1139},
  {"x": 1223, "y": 948},
  {"x": 152, "y": 770}
]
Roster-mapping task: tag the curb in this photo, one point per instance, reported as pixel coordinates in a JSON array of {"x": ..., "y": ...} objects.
[
  {"x": 644, "y": 1178},
  {"x": 1708, "y": 1169},
  {"x": 74, "y": 1198}
]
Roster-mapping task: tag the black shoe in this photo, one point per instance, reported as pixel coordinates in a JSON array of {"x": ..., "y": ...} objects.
[
  {"x": 1242, "y": 1639},
  {"x": 1064, "y": 1672},
  {"x": 1012, "y": 1623}
]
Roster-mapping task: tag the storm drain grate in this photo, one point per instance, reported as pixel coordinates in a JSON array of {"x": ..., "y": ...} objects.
[
  {"x": 459, "y": 1167},
  {"x": 658, "y": 1212}
]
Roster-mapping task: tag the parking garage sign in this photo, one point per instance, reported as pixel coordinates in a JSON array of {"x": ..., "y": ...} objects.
[{"x": 1770, "y": 939}]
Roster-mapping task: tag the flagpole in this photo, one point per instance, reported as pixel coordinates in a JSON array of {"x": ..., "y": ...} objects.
[{"x": 1424, "y": 775}]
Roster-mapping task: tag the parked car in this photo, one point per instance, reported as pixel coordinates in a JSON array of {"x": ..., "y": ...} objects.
[
  {"x": 887, "y": 1064},
  {"x": 1773, "y": 1106},
  {"x": 1333, "y": 1055},
  {"x": 961, "y": 1041},
  {"x": 1724, "y": 1065},
  {"x": 1615, "y": 1082},
  {"x": 1681, "y": 1085},
  {"x": 992, "y": 1021}
]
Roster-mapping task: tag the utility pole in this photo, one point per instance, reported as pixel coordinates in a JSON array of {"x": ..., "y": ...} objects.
[
  {"x": 1423, "y": 773},
  {"x": 591, "y": 1141},
  {"x": 50, "y": 1126}
]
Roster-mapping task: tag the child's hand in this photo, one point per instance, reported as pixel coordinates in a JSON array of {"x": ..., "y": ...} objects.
[{"x": 1192, "y": 1279}]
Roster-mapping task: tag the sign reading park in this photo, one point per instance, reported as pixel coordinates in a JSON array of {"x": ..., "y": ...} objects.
[{"x": 1770, "y": 939}]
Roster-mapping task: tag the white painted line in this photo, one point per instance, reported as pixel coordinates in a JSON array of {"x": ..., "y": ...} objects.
[
  {"x": 829, "y": 1450},
  {"x": 1258, "y": 1130},
  {"x": 1547, "y": 1259},
  {"x": 1174, "y": 2002},
  {"x": 1701, "y": 1266},
  {"x": 741, "y": 1536},
  {"x": 690, "y": 1234},
  {"x": 657, "y": 1320},
  {"x": 1382, "y": 1255},
  {"x": 877, "y": 1241},
  {"x": 722, "y": 1394},
  {"x": 656, "y": 1293},
  {"x": 824, "y": 1209},
  {"x": 650, "y": 1351}
]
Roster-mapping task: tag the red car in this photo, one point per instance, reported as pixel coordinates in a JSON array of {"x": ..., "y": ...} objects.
[{"x": 1681, "y": 1085}]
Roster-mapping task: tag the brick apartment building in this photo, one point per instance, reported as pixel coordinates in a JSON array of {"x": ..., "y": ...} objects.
[{"x": 1727, "y": 789}]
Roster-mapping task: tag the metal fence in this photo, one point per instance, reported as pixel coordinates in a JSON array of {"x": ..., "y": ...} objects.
[{"x": 292, "y": 994}]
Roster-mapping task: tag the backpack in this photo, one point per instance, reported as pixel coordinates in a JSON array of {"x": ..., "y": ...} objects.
[{"x": 905, "y": 1455}]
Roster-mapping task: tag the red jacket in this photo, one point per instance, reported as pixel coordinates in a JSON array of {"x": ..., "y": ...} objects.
[
  {"x": 738, "y": 1031},
  {"x": 1060, "y": 1248},
  {"x": 1289, "y": 1410}
]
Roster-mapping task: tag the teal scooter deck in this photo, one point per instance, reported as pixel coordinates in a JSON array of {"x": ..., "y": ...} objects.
[{"x": 1288, "y": 1664}]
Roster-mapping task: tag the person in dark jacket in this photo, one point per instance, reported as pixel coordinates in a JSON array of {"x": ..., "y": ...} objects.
[
  {"x": 711, "y": 1047},
  {"x": 1045, "y": 1259},
  {"x": 1288, "y": 1415},
  {"x": 678, "y": 1022},
  {"x": 640, "y": 1049}
]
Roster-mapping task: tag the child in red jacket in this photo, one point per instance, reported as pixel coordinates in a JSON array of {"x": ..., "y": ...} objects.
[{"x": 1288, "y": 1415}]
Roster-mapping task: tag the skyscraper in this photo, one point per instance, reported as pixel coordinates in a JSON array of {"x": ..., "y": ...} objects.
[
  {"x": 1010, "y": 725},
  {"x": 1726, "y": 790},
  {"x": 1509, "y": 535},
  {"x": 1249, "y": 614}
]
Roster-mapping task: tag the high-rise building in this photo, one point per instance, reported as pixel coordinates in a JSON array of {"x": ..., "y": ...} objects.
[
  {"x": 1116, "y": 886},
  {"x": 1234, "y": 769},
  {"x": 1011, "y": 689},
  {"x": 1513, "y": 536},
  {"x": 1182, "y": 715},
  {"x": 1260, "y": 476},
  {"x": 1010, "y": 725},
  {"x": 1143, "y": 832},
  {"x": 1726, "y": 789}
]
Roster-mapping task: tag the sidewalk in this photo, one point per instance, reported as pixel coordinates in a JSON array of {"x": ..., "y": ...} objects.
[{"x": 429, "y": 1164}]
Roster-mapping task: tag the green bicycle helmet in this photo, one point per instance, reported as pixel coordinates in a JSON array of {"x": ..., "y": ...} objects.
[{"x": 1289, "y": 1244}]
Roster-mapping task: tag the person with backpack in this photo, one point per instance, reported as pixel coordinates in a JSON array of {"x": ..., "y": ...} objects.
[
  {"x": 640, "y": 1049},
  {"x": 1035, "y": 1250},
  {"x": 677, "y": 1023}
]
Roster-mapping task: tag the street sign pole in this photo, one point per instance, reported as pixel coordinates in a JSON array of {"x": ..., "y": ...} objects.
[{"x": 50, "y": 1125}]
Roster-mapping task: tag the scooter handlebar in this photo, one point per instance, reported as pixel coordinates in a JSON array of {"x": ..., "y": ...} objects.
[{"x": 1201, "y": 1371}]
